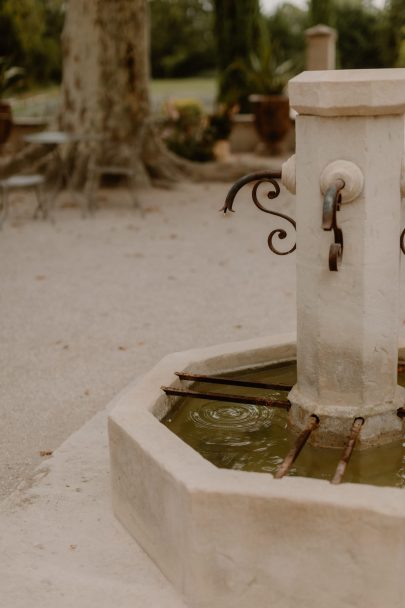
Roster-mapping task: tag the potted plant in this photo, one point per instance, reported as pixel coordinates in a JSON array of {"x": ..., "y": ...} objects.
[
  {"x": 269, "y": 102},
  {"x": 191, "y": 133},
  {"x": 9, "y": 75},
  {"x": 261, "y": 81}
]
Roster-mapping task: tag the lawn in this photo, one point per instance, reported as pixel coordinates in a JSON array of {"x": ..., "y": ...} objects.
[
  {"x": 201, "y": 89},
  {"x": 45, "y": 102}
]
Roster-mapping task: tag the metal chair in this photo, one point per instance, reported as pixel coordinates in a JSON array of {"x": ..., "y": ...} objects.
[
  {"x": 113, "y": 158},
  {"x": 34, "y": 182}
]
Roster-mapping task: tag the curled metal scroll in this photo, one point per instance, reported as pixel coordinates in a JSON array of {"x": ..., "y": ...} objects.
[
  {"x": 331, "y": 205},
  {"x": 260, "y": 178}
]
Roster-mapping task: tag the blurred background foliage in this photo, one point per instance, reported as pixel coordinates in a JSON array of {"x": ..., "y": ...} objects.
[
  {"x": 182, "y": 38},
  {"x": 30, "y": 33},
  {"x": 205, "y": 37}
]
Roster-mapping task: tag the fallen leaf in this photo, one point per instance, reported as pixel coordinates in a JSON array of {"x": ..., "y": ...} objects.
[
  {"x": 44, "y": 453},
  {"x": 73, "y": 547},
  {"x": 122, "y": 348}
]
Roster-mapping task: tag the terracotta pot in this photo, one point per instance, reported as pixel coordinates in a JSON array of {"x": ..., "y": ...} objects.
[
  {"x": 272, "y": 117},
  {"x": 6, "y": 121}
]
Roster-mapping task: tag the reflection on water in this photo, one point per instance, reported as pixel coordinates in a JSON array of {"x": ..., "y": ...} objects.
[{"x": 256, "y": 438}]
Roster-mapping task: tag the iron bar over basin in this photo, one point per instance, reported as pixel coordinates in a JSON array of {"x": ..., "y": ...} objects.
[
  {"x": 232, "y": 382},
  {"x": 248, "y": 400}
]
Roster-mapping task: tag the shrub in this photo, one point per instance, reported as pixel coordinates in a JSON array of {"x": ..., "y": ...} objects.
[{"x": 191, "y": 133}]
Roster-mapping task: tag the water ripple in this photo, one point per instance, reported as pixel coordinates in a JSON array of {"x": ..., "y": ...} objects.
[{"x": 231, "y": 417}]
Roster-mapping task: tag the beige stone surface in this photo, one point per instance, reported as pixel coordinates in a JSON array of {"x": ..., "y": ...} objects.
[
  {"x": 349, "y": 92},
  {"x": 352, "y": 314},
  {"x": 230, "y": 538},
  {"x": 354, "y": 311}
]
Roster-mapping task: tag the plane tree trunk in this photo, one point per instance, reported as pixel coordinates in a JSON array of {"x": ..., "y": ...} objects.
[{"x": 105, "y": 88}]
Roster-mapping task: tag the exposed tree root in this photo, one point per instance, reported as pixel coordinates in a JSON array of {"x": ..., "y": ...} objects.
[
  {"x": 152, "y": 161},
  {"x": 164, "y": 165}
]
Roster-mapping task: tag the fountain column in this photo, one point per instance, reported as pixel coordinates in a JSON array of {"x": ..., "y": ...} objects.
[{"x": 350, "y": 125}]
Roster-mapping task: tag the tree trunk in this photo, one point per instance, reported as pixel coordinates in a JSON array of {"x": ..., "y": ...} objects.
[{"x": 105, "y": 88}]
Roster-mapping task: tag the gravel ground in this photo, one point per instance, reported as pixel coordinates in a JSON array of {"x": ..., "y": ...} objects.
[{"x": 89, "y": 304}]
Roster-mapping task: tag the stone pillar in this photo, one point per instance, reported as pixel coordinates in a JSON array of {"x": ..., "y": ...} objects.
[
  {"x": 321, "y": 48},
  {"x": 348, "y": 320}
]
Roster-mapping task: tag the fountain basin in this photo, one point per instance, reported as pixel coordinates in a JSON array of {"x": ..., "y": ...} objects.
[{"x": 232, "y": 538}]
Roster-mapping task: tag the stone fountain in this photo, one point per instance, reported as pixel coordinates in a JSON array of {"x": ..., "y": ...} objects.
[{"x": 233, "y": 538}]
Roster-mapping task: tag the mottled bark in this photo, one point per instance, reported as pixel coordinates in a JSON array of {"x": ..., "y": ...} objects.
[
  {"x": 105, "y": 91},
  {"x": 105, "y": 76}
]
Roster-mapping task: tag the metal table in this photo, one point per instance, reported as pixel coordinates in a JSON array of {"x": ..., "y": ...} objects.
[{"x": 56, "y": 139}]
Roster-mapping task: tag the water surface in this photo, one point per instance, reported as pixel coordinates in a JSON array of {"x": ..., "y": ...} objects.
[{"x": 257, "y": 438}]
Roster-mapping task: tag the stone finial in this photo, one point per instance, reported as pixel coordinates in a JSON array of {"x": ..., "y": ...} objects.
[{"x": 321, "y": 48}]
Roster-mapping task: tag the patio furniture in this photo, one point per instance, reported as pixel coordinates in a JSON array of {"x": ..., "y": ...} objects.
[
  {"x": 113, "y": 158},
  {"x": 34, "y": 182},
  {"x": 55, "y": 140}
]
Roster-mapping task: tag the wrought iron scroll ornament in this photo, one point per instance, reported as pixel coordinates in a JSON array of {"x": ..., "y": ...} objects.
[
  {"x": 331, "y": 205},
  {"x": 261, "y": 178}
]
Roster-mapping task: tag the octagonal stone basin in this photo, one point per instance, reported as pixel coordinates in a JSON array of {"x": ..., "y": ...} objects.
[{"x": 227, "y": 538}]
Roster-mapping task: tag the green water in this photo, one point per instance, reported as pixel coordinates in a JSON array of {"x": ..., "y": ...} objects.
[{"x": 257, "y": 438}]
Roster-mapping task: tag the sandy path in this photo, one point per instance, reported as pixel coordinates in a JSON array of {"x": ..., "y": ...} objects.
[{"x": 88, "y": 305}]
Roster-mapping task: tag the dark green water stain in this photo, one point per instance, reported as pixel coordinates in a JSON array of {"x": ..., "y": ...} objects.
[{"x": 256, "y": 438}]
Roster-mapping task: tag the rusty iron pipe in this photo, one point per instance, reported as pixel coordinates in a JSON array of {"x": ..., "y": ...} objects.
[
  {"x": 232, "y": 382},
  {"x": 348, "y": 451},
  {"x": 248, "y": 400},
  {"x": 292, "y": 455}
]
